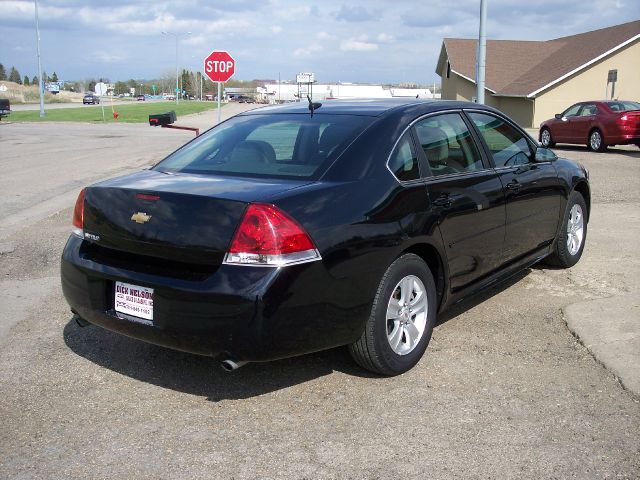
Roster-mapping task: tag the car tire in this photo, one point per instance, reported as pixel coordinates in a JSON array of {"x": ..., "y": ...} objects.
[
  {"x": 406, "y": 294},
  {"x": 569, "y": 244},
  {"x": 596, "y": 141},
  {"x": 546, "y": 139}
]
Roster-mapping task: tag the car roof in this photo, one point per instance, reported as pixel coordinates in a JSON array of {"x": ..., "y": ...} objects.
[{"x": 367, "y": 107}]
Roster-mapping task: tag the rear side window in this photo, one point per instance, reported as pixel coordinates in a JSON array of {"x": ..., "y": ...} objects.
[
  {"x": 404, "y": 161},
  {"x": 448, "y": 144},
  {"x": 508, "y": 145},
  {"x": 270, "y": 146},
  {"x": 623, "y": 106}
]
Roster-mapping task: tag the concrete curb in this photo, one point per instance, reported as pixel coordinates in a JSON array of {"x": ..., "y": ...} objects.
[{"x": 610, "y": 329}]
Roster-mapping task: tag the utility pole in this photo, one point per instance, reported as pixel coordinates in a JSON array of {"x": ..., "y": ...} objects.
[
  {"x": 177, "y": 35},
  {"x": 482, "y": 53},
  {"x": 41, "y": 80}
]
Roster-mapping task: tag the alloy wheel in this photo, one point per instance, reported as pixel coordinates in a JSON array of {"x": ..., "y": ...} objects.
[
  {"x": 546, "y": 138},
  {"x": 575, "y": 230},
  {"x": 407, "y": 315}
]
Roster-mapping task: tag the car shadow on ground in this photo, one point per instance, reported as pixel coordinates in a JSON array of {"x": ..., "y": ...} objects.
[
  {"x": 200, "y": 375},
  {"x": 583, "y": 148},
  {"x": 475, "y": 300},
  {"x": 203, "y": 376}
]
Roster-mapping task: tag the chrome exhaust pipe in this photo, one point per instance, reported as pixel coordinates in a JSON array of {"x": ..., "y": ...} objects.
[{"x": 230, "y": 365}]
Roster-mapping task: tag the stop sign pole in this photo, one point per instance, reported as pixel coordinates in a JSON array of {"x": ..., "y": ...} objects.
[{"x": 219, "y": 66}]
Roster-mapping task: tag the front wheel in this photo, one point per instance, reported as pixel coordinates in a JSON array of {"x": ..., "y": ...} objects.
[
  {"x": 545, "y": 138},
  {"x": 402, "y": 318},
  {"x": 596, "y": 141},
  {"x": 573, "y": 233}
]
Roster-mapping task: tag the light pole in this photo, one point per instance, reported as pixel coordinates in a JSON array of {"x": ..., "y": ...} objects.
[
  {"x": 40, "y": 79},
  {"x": 177, "y": 36},
  {"x": 482, "y": 53}
]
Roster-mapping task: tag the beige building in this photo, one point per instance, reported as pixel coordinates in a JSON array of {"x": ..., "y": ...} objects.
[{"x": 531, "y": 81}]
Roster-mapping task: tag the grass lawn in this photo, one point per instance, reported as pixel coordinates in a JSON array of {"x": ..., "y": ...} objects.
[{"x": 132, "y": 113}]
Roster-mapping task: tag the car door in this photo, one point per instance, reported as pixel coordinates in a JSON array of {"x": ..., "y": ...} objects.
[
  {"x": 466, "y": 194},
  {"x": 532, "y": 190},
  {"x": 582, "y": 123},
  {"x": 563, "y": 128}
]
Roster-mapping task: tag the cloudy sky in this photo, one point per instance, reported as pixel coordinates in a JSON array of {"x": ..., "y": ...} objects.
[{"x": 350, "y": 41}]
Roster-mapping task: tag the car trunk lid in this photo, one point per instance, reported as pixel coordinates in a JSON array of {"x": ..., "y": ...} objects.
[{"x": 177, "y": 217}]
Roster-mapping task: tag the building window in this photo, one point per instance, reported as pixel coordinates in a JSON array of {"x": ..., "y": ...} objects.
[{"x": 448, "y": 69}]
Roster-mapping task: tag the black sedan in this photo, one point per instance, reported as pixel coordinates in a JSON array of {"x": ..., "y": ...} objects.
[{"x": 289, "y": 229}]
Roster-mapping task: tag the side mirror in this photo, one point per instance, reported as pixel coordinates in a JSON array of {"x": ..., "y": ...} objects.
[
  {"x": 558, "y": 116},
  {"x": 545, "y": 155}
]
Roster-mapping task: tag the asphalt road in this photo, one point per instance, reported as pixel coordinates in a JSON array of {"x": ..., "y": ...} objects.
[{"x": 504, "y": 390}]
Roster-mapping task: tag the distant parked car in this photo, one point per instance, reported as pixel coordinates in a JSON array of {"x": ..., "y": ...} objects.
[
  {"x": 5, "y": 107},
  {"x": 90, "y": 99},
  {"x": 598, "y": 124},
  {"x": 141, "y": 98}
]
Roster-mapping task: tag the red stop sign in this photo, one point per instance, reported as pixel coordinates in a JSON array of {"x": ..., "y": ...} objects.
[{"x": 219, "y": 66}]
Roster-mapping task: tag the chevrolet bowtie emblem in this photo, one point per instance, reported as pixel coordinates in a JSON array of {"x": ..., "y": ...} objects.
[{"x": 140, "y": 217}]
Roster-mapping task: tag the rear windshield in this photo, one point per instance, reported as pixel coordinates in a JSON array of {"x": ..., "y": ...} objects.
[
  {"x": 271, "y": 146},
  {"x": 623, "y": 106}
]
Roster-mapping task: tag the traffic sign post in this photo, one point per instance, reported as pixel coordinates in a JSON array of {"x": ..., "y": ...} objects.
[{"x": 219, "y": 66}]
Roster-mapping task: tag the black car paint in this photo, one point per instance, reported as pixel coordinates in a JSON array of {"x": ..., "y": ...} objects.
[{"x": 358, "y": 214}]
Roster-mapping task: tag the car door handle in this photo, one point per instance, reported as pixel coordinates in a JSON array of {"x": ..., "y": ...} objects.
[
  {"x": 514, "y": 186},
  {"x": 443, "y": 200}
]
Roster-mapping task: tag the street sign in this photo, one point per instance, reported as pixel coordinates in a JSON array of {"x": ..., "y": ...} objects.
[{"x": 219, "y": 66}]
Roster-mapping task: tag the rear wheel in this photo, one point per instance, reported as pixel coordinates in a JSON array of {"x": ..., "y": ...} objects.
[
  {"x": 573, "y": 233},
  {"x": 596, "y": 141},
  {"x": 545, "y": 138},
  {"x": 401, "y": 321}
]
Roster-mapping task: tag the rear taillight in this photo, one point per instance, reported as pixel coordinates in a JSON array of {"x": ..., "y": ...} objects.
[
  {"x": 78, "y": 216},
  {"x": 628, "y": 119},
  {"x": 269, "y": 237}
]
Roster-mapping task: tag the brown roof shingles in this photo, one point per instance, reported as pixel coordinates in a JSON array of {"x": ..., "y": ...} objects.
[{"x": 519, "y": 68}]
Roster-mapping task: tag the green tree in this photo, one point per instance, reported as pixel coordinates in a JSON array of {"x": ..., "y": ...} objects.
[
  {"x": 25, "y": 82},
  {"x": 91, "y": 85},
  {"x": 14, "y": 76},
  {"x": 54, "y": 77},
  {"x": 34, "y": 80},
  {"x": 120, "y": 87},
  {"x": 45, "y": 78},
  {"x": 3, "y": 74}
]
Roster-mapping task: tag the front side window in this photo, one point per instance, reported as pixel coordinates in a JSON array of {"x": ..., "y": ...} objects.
[
  {"x": 588, "y": 109},
  {"x": 572, "y": 111},
  {"x": 404, "y": 161},
  {"x": 508, "y": 145},
  {"x": 448, "y": 144},
  {"x": 270, "y": 146}
]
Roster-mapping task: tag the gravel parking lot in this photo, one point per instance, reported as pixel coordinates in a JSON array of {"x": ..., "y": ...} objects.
[{"x": 505, "y": 389}]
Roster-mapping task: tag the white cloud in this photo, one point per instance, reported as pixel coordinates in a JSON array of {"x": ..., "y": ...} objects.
[
  {"x": 307, "y": 51},
  {"x": 194, "y": 40},
  {"x": 357, "y": 45},
  {"x": 324, "y": 36},
  {"x": 107, "y": 57},
  {"x": 384, "y": 38},
  {"x": 276, "y": 28}
]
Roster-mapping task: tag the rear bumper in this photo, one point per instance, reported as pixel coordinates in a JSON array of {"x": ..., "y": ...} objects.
[
  {"x": 247, "y": 313},
  {"x": 624, "y": 139}
]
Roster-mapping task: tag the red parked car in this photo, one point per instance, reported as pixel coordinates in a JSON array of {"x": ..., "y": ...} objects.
[{"x": 598, "y": 124}]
